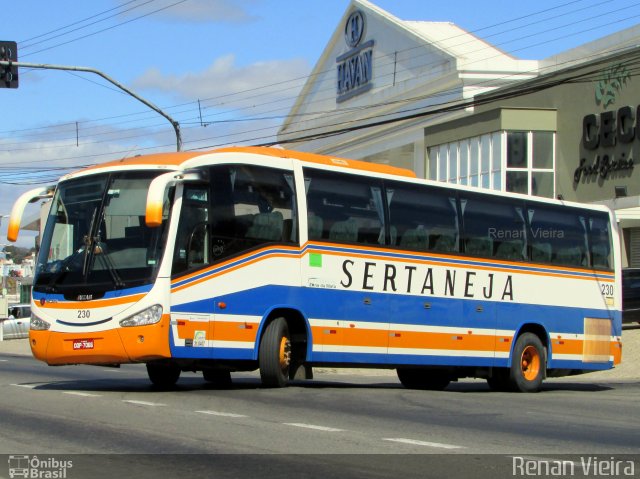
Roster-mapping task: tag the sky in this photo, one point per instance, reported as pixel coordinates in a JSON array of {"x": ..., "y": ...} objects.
[{"x": 227, "y": 70}]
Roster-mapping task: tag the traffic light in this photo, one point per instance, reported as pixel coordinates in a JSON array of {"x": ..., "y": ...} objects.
[{"x": 9, "y": 74}]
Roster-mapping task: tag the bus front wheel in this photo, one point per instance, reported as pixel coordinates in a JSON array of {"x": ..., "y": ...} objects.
[
  {"x": 163, "y": 375},
  {"x": 274, "y": 357},
  {"x": 528, "y": 365}
]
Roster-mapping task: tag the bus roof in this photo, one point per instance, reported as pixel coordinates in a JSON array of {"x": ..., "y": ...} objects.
[{"x": 177, "y": 159}]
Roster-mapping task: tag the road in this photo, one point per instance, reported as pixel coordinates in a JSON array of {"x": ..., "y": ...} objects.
[{"x": 338, "y": 424}]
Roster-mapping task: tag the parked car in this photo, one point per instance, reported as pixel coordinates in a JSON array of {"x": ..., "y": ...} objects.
[
  {"x": 631, "y": 295},
  {"x": 17, "y": 324}
]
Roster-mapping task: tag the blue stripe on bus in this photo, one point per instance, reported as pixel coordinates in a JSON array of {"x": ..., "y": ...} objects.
[{"x": 400, "y": 309}]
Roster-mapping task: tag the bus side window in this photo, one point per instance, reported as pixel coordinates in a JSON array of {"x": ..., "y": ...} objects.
[
  {"x": 600, "y": 241},
  {"x": 558, "y": 236},
  {"x": 493, "y": 227},
  {"x": 251, "y": 206},
  {"x": 344, "y": 208},
  {"x": 422, "y": 218}
]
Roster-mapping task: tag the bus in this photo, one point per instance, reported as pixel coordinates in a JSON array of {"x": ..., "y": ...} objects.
[{"x": 256, "y": 258}]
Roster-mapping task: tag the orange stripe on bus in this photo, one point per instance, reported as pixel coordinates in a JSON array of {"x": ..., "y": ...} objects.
[
  {"x": 98, "y": 303},
  {"x": 177, "y": 159},
  {"x": 228, "y": 270},
  {"x": 321, "y": 160},
  {"x": 296, "y": 252}
]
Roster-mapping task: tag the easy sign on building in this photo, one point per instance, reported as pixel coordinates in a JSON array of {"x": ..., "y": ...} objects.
[{"x": 355, "y": 68}]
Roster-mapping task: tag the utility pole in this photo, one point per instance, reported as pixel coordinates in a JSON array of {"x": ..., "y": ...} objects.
[{"x": 8, "y": 64}]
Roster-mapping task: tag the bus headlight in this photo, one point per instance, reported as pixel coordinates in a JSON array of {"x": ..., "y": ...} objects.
[
  {"x": 149, "y": 316},
  {"x": 38, "y": 324}
]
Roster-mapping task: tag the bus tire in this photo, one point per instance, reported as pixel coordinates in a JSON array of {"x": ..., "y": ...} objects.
[
  {"x": 274, "y": 356},
  {"x": 415, "y": 378},
  {"x": 163, "y": 376},
  {"x": 218, "y": 377},
  {"x": 528, "y": 365}
]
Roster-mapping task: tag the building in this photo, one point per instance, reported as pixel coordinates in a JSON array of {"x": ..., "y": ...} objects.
[{"x": 566, "y": 126}]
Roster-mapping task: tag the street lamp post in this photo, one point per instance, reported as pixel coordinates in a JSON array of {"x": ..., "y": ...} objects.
[
  {"x": 4, "y": 289},
  {"x": 174, "y": 123},
  {"x": 3, "y": 299}
]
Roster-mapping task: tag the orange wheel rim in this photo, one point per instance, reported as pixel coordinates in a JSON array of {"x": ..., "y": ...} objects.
[
  {"x": 285, "y": 353},
  {"x": 530, "y": 363}
]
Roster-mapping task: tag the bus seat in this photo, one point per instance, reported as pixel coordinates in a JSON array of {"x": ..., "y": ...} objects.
[
  {"x": 344, "y": 231},
  {"x": 481, "y": 246},
  {"x": 267, "y": 226},
  {"x": 415, "y": 239},
  {"x": 444, "y": 243},
  {"x": 573, "y": 256},
  {"x": 316, "y": 225},
  {"x": 510, "y": 250},
  {"x": 541, "y": 253}
]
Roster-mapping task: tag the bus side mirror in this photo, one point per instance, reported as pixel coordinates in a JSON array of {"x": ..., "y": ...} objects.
[
  {"x": 155, "y": 195},
  {"x": 155, "y": 198},
  {"x": 18, "y": 209}
]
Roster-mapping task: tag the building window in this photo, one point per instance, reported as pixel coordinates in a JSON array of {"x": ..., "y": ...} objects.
[
  {"x": 530, "y": 162},
  {"x": 515, "y": 161}
]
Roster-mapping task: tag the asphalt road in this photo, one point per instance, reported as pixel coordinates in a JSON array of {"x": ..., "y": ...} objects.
[{"x": 336, "y": 425}]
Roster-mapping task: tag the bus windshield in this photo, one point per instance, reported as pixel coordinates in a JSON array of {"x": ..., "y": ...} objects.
[{"x": 96, "y": 240}]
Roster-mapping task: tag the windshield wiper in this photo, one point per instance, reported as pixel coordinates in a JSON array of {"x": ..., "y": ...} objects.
[{"x": 100, "y": 252}]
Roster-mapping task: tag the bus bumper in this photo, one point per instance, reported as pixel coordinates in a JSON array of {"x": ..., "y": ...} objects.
[
  {"x": 114, "y": 346},
  {"x": 616, "y": 351}
]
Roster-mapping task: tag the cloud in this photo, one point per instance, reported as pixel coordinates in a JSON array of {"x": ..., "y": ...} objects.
[
  {"x": 258, "y": 88},
  {"x": 201, "y": 11}
]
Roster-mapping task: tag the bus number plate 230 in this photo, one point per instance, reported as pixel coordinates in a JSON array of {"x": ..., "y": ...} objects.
[{"x": 82, "y": 344}]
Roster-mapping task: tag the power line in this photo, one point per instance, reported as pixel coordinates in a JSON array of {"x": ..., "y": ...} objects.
[
  {"x": 336, "y": 112},
  {"x": 106, "y": 29},
  {"x": 405, "y": 50},
  {"x": 29, "y": 45}
]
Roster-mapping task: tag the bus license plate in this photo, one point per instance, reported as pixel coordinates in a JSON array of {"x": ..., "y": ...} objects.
[{"x": 82, "y": 344}]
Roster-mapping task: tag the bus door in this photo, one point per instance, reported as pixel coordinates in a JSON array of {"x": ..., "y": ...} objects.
[{"x": 192, "y": 311}]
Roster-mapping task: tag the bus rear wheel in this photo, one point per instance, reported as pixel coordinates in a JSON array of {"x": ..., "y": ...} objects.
[
  {"x": 164, "y": 376},
  {"x": 423, "y": 379},
  {"x": 274, "y": 357},
  {"x": 528, "y": 365}
]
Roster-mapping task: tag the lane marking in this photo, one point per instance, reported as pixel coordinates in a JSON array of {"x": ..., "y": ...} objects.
[
  {"x": 313, "y": 426},
  {"x": 142, "y": 403},
  {"x": 422, "y": 443},
  {"x": 76, "y": 393},
  {"x": 222, "y": 414},
  {"x": 4, "y": 360},
  {"x": 28, "y": 386}
]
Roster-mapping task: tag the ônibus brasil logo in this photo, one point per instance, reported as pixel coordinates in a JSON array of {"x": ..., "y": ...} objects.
[{"x": 37, "y": 468}]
